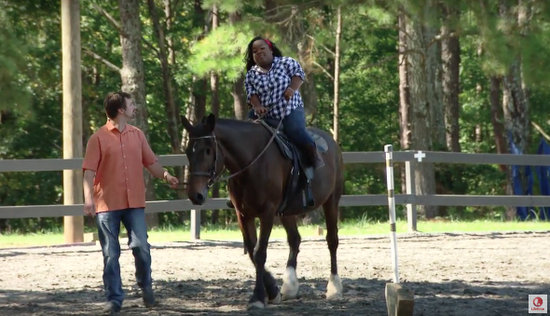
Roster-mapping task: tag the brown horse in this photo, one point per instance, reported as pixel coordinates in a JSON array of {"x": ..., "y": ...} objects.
[{"x": 258, "y": 175}]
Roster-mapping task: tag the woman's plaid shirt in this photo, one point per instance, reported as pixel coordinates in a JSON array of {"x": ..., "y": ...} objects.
[{"x": 270, "y": 86}]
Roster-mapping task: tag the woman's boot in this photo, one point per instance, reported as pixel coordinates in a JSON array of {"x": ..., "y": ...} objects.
[{"x": 314, "y": 157}]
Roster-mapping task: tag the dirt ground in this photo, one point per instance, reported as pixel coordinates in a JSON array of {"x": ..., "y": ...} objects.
[{"x": 450, "y": 274}]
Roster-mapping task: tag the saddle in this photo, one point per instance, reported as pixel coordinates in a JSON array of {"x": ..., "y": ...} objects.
[{"x": 299, "y": 181}]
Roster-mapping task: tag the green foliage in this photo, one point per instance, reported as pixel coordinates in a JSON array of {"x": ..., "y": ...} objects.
[
  {"x": 15, "y": 96},
  {"x": 222, "y": 52},
  {"x": 30, "y": 78}
]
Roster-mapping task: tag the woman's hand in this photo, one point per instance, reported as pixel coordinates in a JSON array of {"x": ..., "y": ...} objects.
[
  {"x": 259, "y": 109},
  {"x": 289, "y": 92}
]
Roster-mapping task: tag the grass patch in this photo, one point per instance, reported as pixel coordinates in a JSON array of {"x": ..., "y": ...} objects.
[{"x": 355, "y": 228}]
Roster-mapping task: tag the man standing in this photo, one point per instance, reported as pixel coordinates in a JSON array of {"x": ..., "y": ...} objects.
[{"x": 114, "y": 190}]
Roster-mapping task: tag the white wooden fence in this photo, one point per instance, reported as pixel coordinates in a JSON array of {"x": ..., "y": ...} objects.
[{"x": 409, "y": 198}]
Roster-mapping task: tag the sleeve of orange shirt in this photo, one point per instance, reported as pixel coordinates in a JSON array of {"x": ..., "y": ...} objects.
[
  {"x": 93, "y": 154},
  {"x": 147, "y": 155}
]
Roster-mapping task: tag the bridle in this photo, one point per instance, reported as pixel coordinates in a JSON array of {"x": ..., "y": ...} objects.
[{"x": 212, "y": 174}]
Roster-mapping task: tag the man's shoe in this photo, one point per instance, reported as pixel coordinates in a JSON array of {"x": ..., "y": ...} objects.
[
  {"x": 148, "y": 297},
  {"x": 111, "y": 308}
]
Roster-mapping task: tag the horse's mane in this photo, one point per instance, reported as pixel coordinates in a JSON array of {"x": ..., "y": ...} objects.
[
  {"x": 242, "y": 131},
  {"x": 239, "y": 124},
  {"x": 234, "y": 122}
]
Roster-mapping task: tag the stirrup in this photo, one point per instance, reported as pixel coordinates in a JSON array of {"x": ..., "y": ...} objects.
[{"x": 309, "y": 172}]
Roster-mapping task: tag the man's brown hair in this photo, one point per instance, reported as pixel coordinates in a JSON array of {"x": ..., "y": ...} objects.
[{"x": 115, "y": 101}]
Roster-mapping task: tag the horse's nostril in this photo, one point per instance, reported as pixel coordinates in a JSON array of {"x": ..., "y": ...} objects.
[{"x": 200, "y": 198}]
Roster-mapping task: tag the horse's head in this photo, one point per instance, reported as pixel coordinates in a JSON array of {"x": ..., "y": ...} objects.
[{"x": 203, "y": 158}]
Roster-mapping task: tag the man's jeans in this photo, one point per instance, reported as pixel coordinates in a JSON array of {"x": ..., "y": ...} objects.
[{"x": 108, "y": 226}]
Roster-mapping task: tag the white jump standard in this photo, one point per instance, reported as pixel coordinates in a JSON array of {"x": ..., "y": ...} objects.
[{"x": 399, "y": 301}]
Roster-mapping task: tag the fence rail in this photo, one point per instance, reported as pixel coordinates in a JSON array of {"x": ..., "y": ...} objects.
[{"x": 410, "y": 199}]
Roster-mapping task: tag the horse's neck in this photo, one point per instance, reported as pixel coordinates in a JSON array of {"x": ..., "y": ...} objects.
[{"x": 241, "y": 142}]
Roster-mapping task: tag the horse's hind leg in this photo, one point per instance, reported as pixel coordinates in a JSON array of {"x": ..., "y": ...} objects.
[
  {"x": 334, "y": 286},
  {"x": 290, "y": 281}
]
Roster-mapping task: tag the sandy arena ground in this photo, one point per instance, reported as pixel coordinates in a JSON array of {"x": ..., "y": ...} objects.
[{"x": 450, "y": 274}]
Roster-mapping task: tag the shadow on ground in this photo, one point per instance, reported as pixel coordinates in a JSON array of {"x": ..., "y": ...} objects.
[{"x": 229, "y": 297}]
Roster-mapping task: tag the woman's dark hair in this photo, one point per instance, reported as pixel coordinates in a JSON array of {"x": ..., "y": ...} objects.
[
  {"x": 249, "y": 58},
  {"x": 114, "y": 101}
]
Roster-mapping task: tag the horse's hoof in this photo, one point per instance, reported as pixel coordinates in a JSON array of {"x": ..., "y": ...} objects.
[
  {"x": 256, "y": 305},
  {"x": 276, "y": 300},
  {"x": 334, "y": 296},
  {"x": 290, "y": 284},
  {"x": 334, "y": 287}
]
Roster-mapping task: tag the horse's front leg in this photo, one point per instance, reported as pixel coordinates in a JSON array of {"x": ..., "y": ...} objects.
[
  {"x": 264, "y": 280},
  {"x": 248, "y": 229}
]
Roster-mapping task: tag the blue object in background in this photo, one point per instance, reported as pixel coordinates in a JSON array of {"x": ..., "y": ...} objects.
[
  {"x": 543, "y": 172},
  {"x": 522, "y": 182}
]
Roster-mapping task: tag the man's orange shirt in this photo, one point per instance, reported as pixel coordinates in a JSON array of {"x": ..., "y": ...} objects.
[{"x": 118, "y": 160}]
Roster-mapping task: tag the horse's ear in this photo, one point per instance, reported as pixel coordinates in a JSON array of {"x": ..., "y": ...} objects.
[
  {"x": 211, "y": 121},
  {"x": 186, "y": 124}
]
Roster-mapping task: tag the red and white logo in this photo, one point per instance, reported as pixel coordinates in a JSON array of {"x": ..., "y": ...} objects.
[{"x": 538, "y": 304}]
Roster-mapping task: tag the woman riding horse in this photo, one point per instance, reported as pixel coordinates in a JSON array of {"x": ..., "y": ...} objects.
[{"x": 272, "y": 82}]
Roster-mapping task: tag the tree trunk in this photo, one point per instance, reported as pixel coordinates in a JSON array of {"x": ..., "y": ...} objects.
[
  {"x": 168, "y": 13},
  {"x": 434, "y": 89},
  {"x": 336, "y": 102},
  {"x": 405, "y": 133},
  {"x": 170, "y": 106},
  {"x": 514, "y": 98},
  {"x": 308, "y": 90},
  {"x": 239, "y": 99},
  {"x": 450, "y": 58},
  {"x": 415, "y": 104},
  {"x": 215, "y": 108},
  {"x": 166, "y": 57},
  {"x": 515, "y": 108},
  {"x": 240, "y": 106},
  {"x": 199, "y": 86},
  {"x": 132, "y": 77},
  {"x": 497, "y": 116}
]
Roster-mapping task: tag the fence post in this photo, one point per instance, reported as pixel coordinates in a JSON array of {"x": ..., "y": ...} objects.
[
  {"x": 73, "y": 226},
  {"x": 410, "y": 188},
  {"x": 195, "y": 224}
]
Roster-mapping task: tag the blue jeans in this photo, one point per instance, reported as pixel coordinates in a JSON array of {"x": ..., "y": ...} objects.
[
  {"x": 294, "y": 126},
  {"x": 108, "y": 227}
]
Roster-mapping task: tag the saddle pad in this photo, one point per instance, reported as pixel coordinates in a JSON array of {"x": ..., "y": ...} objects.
[{"x": 320, "y": 142}]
